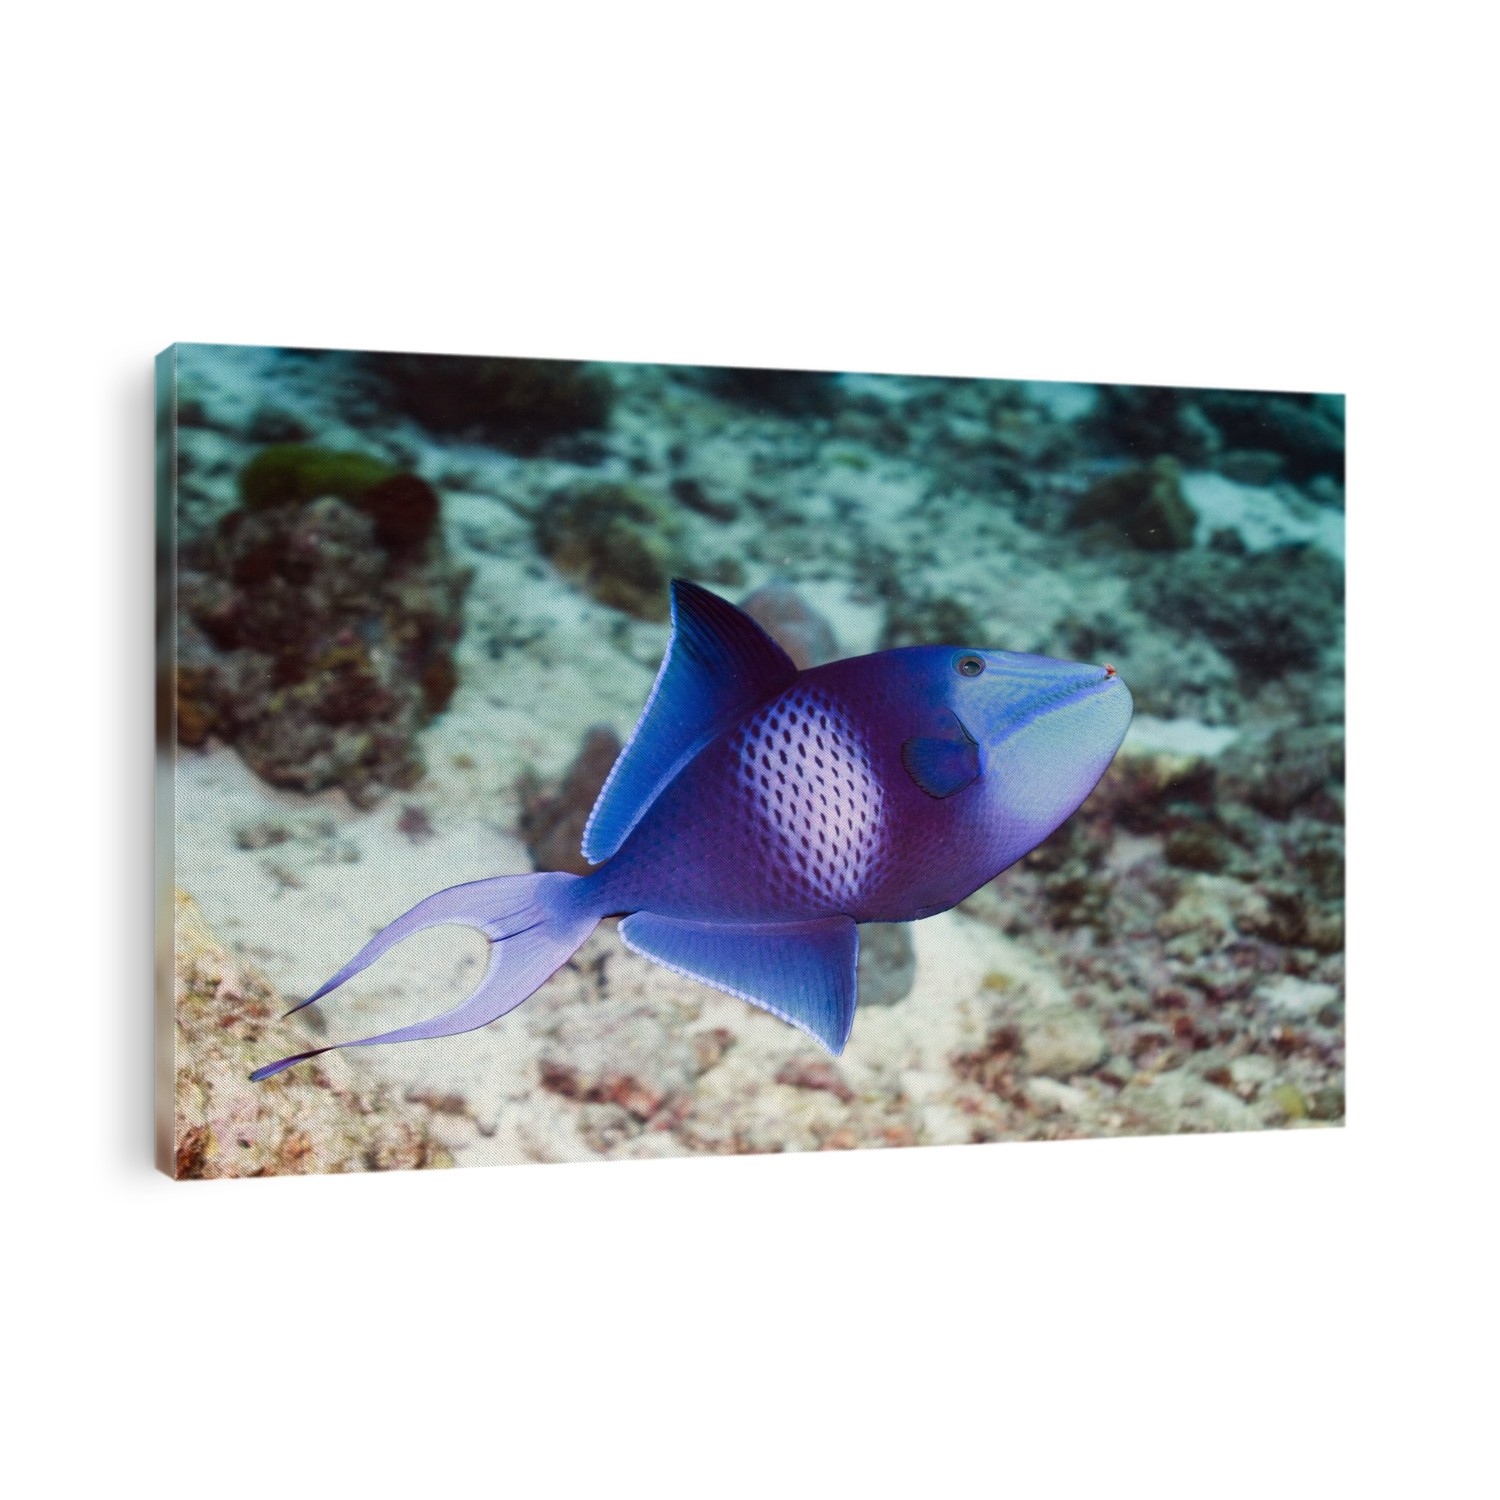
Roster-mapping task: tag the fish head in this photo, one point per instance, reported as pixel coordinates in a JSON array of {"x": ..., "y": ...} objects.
[{"x": 1046, "y": 731}]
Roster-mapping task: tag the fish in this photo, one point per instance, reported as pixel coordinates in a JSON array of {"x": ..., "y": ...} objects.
[{"x": 759, "y": 814}]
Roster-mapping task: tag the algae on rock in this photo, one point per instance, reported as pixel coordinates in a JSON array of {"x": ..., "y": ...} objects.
[{"x": 294, "y": 473}]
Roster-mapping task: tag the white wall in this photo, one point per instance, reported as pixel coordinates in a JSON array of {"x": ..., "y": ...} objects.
[{"x": 1285, "y": 195}]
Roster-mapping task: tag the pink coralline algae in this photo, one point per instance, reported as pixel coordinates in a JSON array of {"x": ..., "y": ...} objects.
[{"x": 321, "y": 1120}]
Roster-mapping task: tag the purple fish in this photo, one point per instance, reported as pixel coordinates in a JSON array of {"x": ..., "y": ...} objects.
[{"x": 758, "y": 814}]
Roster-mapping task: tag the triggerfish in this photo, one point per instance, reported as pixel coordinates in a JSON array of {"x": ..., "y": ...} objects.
[{"x": 759, "y": 814}]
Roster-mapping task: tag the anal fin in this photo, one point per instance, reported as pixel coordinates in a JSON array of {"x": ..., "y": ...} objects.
[{"x": 802, "y": 972}]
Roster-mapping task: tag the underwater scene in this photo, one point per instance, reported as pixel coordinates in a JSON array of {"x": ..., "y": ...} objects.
[{"x": 412, "y": 607}]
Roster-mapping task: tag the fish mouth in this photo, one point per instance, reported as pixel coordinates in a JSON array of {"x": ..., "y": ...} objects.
[
  {"x": 1049, "y": 752},
  {"x": 1108, "y": 680},
  {"x": 1103, "y": 678},
  {"x": 1085, "y": 683},
  {"x": 1105, "y": 675}
]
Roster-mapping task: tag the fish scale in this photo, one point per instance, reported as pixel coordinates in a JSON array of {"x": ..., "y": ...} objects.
[
  {"x": 758, "y": 814},
  {"x": 809, "y": 798}
]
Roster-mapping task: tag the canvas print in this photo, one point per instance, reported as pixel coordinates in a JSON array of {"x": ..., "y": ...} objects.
[{"x": 563, "y": 760}]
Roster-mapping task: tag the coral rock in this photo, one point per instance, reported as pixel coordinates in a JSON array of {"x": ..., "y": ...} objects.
[
  {"x": 317, "y": 636},
  {"x": 1293, "y": 998},
  {"x": 518, "y": 404},
  {"x": 1288, "y": 770},
  {"x": 1150, "y": 420},
  {"x": 1269, "y": 613},
  {"x": 1061, "y": 1042},
  {"x": 1145, "y": 792},
  {"x": 404, "y": 510},
  {"x": 1253, "y": 466},
  {"x": 317, "y": 1117},
  {"x": 552, "y": 821},
  {"x": 792, "y": 623},
  {"x": 618, "y": 541},
  {"x": 1275, "y": 912},
  {"x": 1198, "y": 846},
  {"x": 1306, "y": 436},
  {"x": 928, "y": 619},
  {"x": 403, "y": 507},
  {"x": 788, "y": 393},
  {"x": 690, "y": 492},
  {"x": 1146, "y": 503},
  {"x": 270, "y": 424}
]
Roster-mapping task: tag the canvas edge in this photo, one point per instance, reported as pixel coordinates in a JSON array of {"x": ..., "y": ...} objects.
[{"x": 164, "y": 847}]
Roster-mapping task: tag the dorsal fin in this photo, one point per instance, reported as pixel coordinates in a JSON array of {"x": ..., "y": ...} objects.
[{"x": 719, "y": 664}]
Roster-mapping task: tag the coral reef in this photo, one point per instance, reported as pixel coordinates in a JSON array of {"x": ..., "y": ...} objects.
[
  {"x": 786, "y": 393},
  {"x": 619, "y": 542},
  {"x": 1296, "y": 428},
  {"x": 927, "y": 617},
  {"x": 518, "y": 404},
  {"x": 691, "y": 493},
  {"x": 324, "y": 1118},
  {"x": 553, "y": 818},
  {"x": 1268, "y": 612},
  {"x": 1144, "y": 502},
  {"x": 1150, "y": 420},
  {"x": 1302, "y": 434},
  {"x": 1061, "y": 1042},
  {"x": 629, "y": 1059},
  {"x": 318, "y": 628},
  {"x": 1289, "y": 769}
]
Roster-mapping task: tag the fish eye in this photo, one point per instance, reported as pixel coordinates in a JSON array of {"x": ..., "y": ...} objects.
[{"x": 969, "y": 666}]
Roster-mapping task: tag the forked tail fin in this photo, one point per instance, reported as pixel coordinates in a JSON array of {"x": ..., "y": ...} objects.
[{"x": 535, "y": 923}]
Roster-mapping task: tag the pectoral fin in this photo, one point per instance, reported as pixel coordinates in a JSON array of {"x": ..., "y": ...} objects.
[
  {"x": 945, "y": 763},
  {"x": 803, "y": 972}
]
